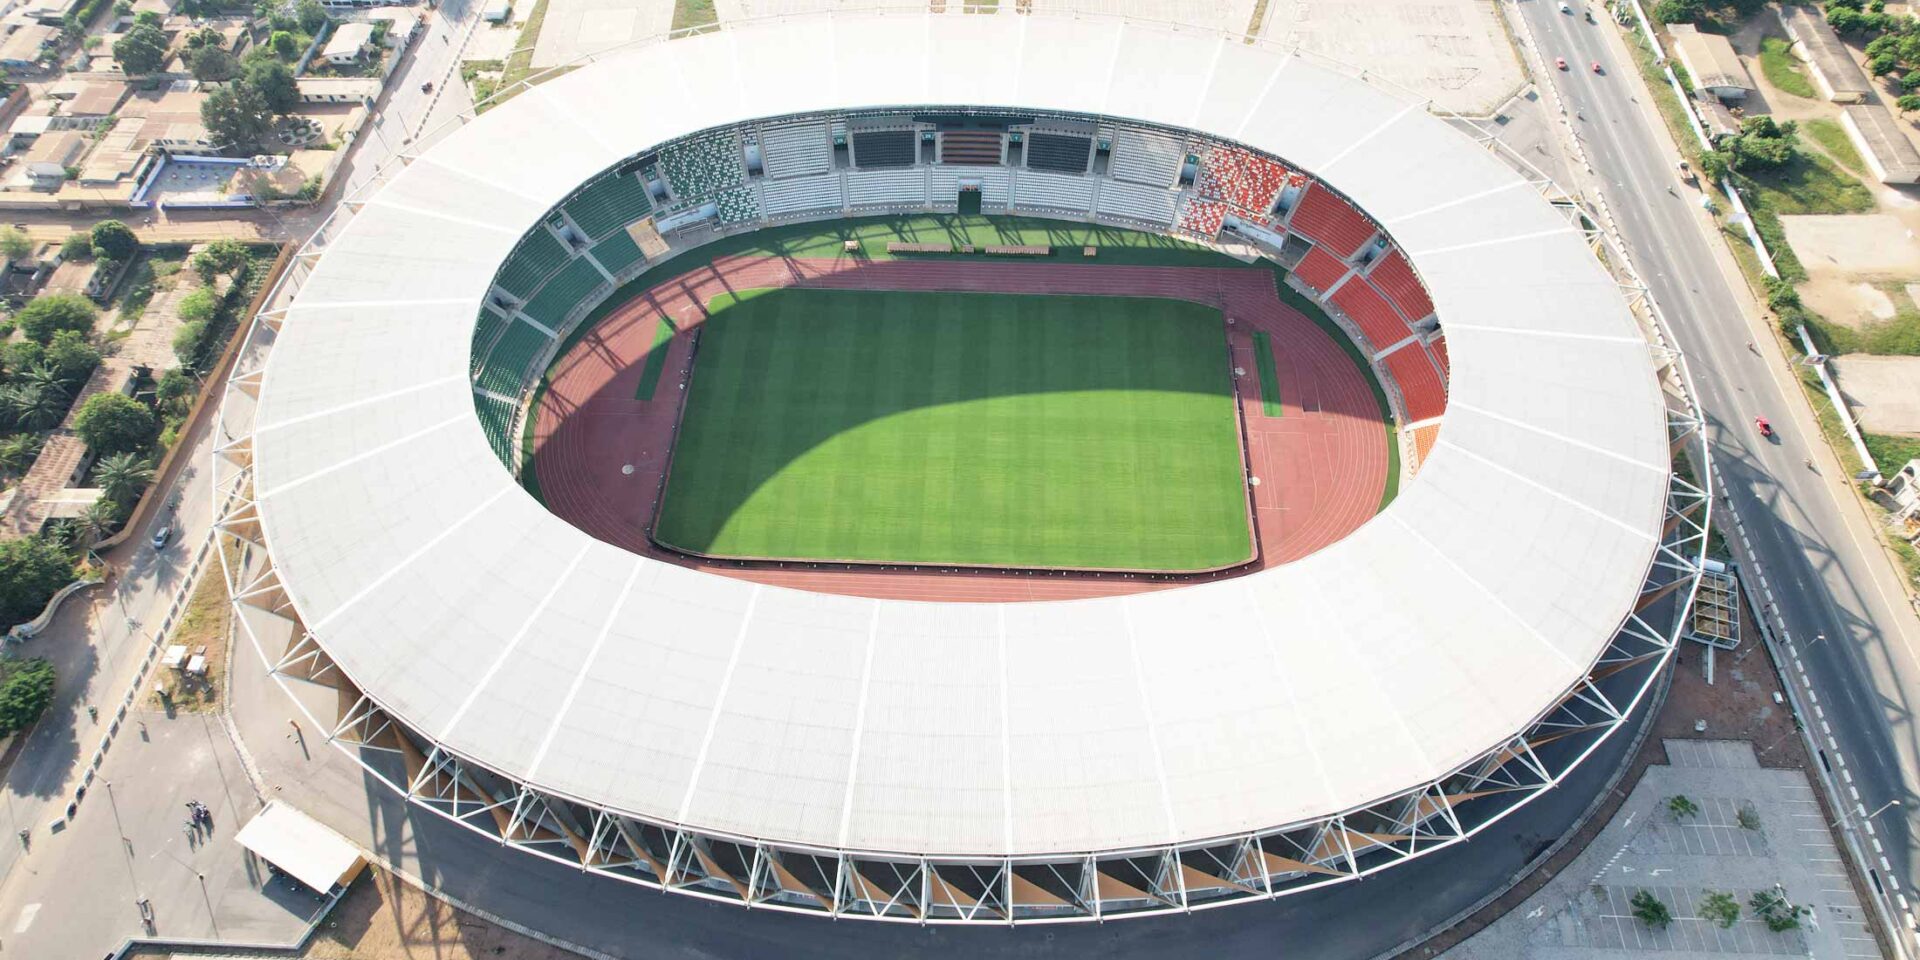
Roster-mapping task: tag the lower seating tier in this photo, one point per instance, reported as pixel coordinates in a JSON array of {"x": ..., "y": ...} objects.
[{"x": 1154, "y": 205}]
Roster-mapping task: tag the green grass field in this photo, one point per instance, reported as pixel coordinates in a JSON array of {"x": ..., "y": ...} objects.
[
  {"x": 998, "y": 430},
  {"x": 1269, "y": 375}
]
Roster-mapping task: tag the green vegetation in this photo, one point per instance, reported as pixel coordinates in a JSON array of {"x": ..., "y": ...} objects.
[
  {"x": 45, "y": 316},
  {"x": 32, "y": 570},
  {"x": 1891, "y": 452},
  {"x": 1682, "y": 807},
  {"x": 1269, "y": 375},
  {"x": 520, "y": 62},
  {"x": 1779, "y": 913},
  {"x": 1784, "y": 72},
  {"x": 26, "y": 687},
  {"x": 1043, "y": 431},
  {"x": 1720, "y": 908},
  {"x": 663, "y": 331},
  {"x": 688, "y": 14},
  {"x": 1649, "y": 909},
  {"x": 114, "y": 422},
  {"x": 1831, "y": 138},
  {"x": 1809, "y": 183}
]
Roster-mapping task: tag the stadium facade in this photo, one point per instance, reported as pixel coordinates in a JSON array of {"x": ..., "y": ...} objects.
[{"x": 1388, "y": 696}]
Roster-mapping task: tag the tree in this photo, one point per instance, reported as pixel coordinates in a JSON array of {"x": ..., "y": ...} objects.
[
  {"x": 71, "y": 358},
  {"x": 1682, "y": 807},
  {"x": 97, "y": 522},
  {"x": 283, "y": 45},
  {"x": 25, "y": 693},
  {"x": 1721, "y": 908},
  {"x": 1844, "y": 20},
  {"x": 174, "y": 393},
  {"x": 52, "y": 313},
  {"x": 14, "y": 244},
  {"x": 34, "y": 408},
  {"x": 77, "y": 246},
  {"x": 31, "y": 570},
  {"x": 214, "y": 64},
  {"x": 1762, "y": 144},
  {"x": 148, "y": 18},
  {"x": 220, "y": 256},
  {"x": 204, "y": 38},
  {"x": 112, "y": 423},
  {"x": 23, "y": 355},
  {"x": 1650, "y": 911},
  {"x": 114, "y": 240},
  {"x": 187, "y": 341},
  {"x": 142, "y": 49},
  {"x": 17, "y": 452},
  {"x": 236, "y": 114},
  {"x": 198, "y": 306},
  {"x": 312, "y": 16},
  {"x": 122, "y": 476},
  {"x": 1679, "y": 11},
  {"x": 1779, "y": 913},
  {"x": 275, "y": 82},
  {"x": 1908, "y": 103}
]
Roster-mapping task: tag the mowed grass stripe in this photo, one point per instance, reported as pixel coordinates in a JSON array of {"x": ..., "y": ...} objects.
[
  {"x": 1001, "y": 430},
  {"x": 663, "y": 330},
  {"x": 1269, "y": 374}
]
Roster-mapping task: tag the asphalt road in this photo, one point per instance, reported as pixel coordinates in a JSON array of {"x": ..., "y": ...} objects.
[{"x": 1829, "y": 577}]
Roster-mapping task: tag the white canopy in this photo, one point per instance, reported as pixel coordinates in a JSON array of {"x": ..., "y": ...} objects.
[
  {"x": 300, "y": 846},
  {"x": 1421, "y": 642}
]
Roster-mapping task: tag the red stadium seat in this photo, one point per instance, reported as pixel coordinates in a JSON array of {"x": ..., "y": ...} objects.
[
  {"x": 1243, "y": 178},
  {"x": 1372, "y": 314},
  {"x": 1201, "y": 218},
  {"x": 1326, "y": 219},
  {"x": 1320, "y": 270},
  {"x": 1394, "y": 277},
  {"x": 1419, "y": 381}
]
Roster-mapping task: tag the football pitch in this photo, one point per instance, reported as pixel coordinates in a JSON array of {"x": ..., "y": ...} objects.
[{"x": 964, "y": 429}]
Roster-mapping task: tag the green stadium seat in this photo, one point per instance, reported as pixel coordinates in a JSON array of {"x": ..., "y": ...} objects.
[
  {"x": 538, "y": 256},
  {"x": 506, "y": 368},
  {"x": 563, "y": 293},
  {"x": 700, "y": 168},
  {"x": 496, "y": 421},
  {"x": 608, "y": 204},
  {"x": 618, "y": 252},
  {"x": 485, "y": 330}
]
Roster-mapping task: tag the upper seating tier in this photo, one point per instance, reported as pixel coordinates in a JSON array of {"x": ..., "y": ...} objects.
[{"x": 1324, "y": 218}]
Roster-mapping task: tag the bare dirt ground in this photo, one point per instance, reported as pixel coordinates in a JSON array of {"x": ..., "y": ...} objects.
[
  {"x": 1881, "y": 391},
  {"x": 383, "y": 918}
]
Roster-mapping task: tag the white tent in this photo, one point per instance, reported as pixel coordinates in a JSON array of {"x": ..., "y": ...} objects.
[{"x": 301, "y": 847}]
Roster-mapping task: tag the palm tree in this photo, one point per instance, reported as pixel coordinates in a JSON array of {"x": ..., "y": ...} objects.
[
  {"x": 35, "y": 406},
  {"x": 121, "y": 477},
  {"x": 17, "y": 452},
  {"x": 97, "y": 523},
  {"x": 43, "y": 376}
]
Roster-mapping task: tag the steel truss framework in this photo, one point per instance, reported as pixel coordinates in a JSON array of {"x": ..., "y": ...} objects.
[{"x": 1202, "y": 874}]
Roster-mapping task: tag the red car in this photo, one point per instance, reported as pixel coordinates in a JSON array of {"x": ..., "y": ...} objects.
[
  {"x": 1596, "y": 67},
  {"x": 1560, "y": 62},
  {"x": 1766, "y": 429}
]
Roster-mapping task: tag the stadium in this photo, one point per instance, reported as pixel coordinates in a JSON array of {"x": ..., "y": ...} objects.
[{"x": 952, "y": 469}]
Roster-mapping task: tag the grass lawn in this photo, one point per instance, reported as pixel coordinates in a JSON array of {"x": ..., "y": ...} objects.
[
  {"x": 1269, "y": 375},
  {"x": 1810, "y": 184},
  {"x": 1833, "y": 139},
  {"x": 1034, "y": 431},
  {"x": 693, "y": 13},
  {"x": 656, "y": 359},
  {"x": 1782, "y": 70}
]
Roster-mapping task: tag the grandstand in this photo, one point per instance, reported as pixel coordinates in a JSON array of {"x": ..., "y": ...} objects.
[{"x": 955, "y": 762}]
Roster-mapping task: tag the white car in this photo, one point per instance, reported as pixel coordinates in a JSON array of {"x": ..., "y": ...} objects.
[
  {"x": 1565, "y": 9},
  {"x": 160, "y": 537}
]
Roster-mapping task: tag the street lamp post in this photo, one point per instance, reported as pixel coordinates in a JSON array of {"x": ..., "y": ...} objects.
[
  {"x": 126, "y": 845},
  {"x": 1883, "y": 808}
]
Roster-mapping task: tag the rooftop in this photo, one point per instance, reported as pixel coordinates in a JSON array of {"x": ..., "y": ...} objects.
[
  {"x": 1427, "y": 639},
  {"x": 1709, "y": 58}
]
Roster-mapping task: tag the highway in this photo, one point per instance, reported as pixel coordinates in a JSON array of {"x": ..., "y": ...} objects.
[{"x": 1828, "y": 575}]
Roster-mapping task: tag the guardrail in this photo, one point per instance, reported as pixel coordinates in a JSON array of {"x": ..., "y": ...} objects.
[
  {"x": 32, "y": 628},
  {"x": 1741, "y": 214},
  {"x": 1818, "y": 361}
]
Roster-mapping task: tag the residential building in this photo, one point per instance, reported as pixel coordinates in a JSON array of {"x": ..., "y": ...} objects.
[
  {"x": 348, "y": 42},
  {"x": 1877, "y": 135},
  {"x": 1712, "y": 66},
  {"x": 337, "y": 89},
  {"x": 1835, "y": 74},
  {"x": 26, "y": 44}
]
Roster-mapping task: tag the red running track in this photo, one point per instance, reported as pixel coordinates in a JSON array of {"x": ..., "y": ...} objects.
[{"x": 1322, "y": 464}]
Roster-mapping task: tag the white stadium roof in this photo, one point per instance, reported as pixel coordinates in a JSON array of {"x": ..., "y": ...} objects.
[{"x": 1433, "y": 634}]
